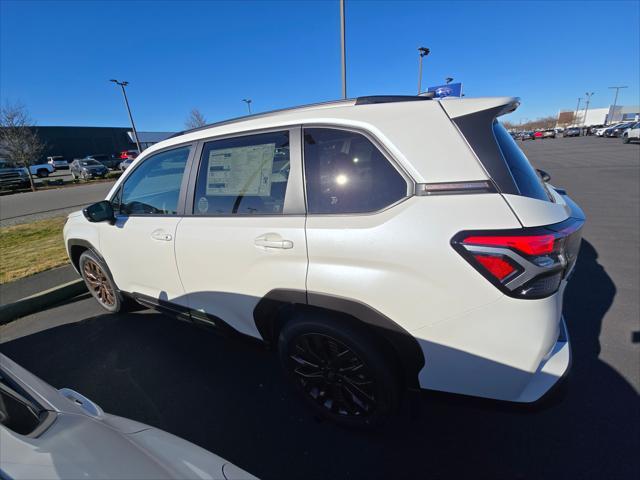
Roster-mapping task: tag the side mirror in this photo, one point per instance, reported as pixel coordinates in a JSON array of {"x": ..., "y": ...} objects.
[
  {"x": 100, "y": 212},
  {"x": 544, "y": 175}
]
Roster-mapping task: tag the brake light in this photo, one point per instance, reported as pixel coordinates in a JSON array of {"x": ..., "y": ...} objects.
[
  {"x": 497, "y": 266},
  {"x": 527, "y": 244},
  {"x": 123, "y": 155},
  {"x": 523, "y": 263}
]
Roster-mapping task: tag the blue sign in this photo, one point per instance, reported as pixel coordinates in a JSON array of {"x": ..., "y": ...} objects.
[{"x": 449, "y": 90}]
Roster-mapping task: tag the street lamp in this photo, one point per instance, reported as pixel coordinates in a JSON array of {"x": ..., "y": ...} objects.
[
  {"x": 126, "y": 102},
  {"x": 615, "y": 103},
  {"x": 248, "y": 102},
  {"x": 588, "y": 95},
  {"x": 343, "y": 49},
  {"x": 575, "y": 115},
  {"x": 423, "y": 53}
]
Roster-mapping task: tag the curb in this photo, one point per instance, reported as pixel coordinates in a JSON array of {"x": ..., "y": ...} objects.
[{"x": 41, "y": 300}]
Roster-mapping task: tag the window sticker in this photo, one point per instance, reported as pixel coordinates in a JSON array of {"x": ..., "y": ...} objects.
[
  {"x": 241, "y": 171},
  {"x": 203, "y": 205}
]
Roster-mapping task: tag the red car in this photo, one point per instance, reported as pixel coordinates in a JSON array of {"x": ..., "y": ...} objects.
[{"x": 538, "y": 135}]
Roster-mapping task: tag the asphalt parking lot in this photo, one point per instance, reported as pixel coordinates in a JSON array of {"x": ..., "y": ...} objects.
[{"x": 229, "y": 396}]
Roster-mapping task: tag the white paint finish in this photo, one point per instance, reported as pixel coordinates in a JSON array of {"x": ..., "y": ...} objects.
[
  {"x": 225, "y": 273},
  {"x": 534, "y": 213},
  {"x": 457, "y": 107},
  {"x": 79, "y": 228},
  {"x": 493, "y": 351},
  {"x": 400, "y": 261},
  {"x": 77, "y": 445},
  {"x": 139, "y": 260}
]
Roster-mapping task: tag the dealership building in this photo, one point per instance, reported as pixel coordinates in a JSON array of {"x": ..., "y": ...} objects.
[
  {"x": 78, "y": 142},
  {"x": 598, "y": 116}
]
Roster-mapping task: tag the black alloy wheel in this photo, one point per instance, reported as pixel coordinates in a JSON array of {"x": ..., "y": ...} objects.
[
  {"x": 333, "y": 375},
  {"x": 341, "y": 369}
]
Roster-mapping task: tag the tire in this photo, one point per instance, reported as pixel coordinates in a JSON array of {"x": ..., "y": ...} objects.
[
  {"x": 98, "y": 280},
  {"x": 42, "y": 173},
  {"x": 321, "y": 354},
  {"x": 73, "y": 176},
  {"x": 625, "y": 139}
]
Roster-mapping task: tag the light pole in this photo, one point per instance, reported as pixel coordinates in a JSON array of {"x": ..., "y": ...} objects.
[
  {"x": 575, "y": 115},
  {"x": 343, "y": 49},
  {"x": 248, "y": 102},
  {"x": 126, "y": 102},
  {"x": 423, "y": 53},
  {"x": 588, "y": 95},
  {"x": 615, "y": 103}
]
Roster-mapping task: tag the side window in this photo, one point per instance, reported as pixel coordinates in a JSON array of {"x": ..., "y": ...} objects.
[
  {"x": 244, "y": 175},
  {"x": 346, "y": 173},
  {"x": 153, "y": 187}
]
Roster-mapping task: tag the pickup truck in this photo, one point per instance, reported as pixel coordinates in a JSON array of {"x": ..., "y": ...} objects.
[
  {"x": 41, "y": 169},
  {"x": 13, "y": 175}
]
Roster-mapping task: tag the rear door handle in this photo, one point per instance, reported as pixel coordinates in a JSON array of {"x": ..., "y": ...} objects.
[
  {"x": 161, "y": 235},
  {"x": 273, "y": 240}
]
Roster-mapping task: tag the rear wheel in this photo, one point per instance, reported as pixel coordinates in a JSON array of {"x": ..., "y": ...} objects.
[
  {"x": 342, "y": 372},
  {"x": 98, "y": 281},
  {"x": 42, "y": 173}
]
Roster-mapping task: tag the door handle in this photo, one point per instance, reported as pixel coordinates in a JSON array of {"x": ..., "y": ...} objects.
[
  {"x": 273, "y": 240},
  {"x": 161, "y": 235}
]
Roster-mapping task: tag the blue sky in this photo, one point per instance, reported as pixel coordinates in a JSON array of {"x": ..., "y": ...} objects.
[{"x": 56, "y": 57}]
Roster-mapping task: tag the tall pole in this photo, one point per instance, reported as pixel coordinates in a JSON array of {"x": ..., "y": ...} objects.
[
  {"x": 615, "y": 103},
  {"x": 423, "y": 53},
  {"x": 586, "y": 110},
  {"x": 248, "y": 102},
  {"x": 575, "y": 115},
  {"x": 343, "y": 50},
  {"x": 126, "y": 102}
]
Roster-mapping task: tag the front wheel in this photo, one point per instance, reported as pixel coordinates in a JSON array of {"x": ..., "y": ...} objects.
[
  {"x": 99, "y": 282},
  {"x": 625, "y": 139},
  {"x": 342, "y": 371}
]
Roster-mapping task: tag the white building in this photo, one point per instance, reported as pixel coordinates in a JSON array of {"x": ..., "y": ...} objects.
[{"x": 598, "y": 116}]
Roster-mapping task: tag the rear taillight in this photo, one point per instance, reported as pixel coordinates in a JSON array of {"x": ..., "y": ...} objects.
[
  {"x": 123, "y": 155},
  {"x": 523, "y": 263}
]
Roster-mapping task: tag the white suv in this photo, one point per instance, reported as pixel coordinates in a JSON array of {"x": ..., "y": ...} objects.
[{"x": 381, "y": 244}]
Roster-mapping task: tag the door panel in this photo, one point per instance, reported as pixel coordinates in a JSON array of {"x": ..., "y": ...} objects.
[
  {"x": 226, "y": 273},
  {"x": 140, "y": 255},
  {"x": 245, "y": 235}
]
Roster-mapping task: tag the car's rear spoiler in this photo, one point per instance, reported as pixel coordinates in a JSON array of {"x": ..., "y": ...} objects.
[{"x": 466, "y": 106}]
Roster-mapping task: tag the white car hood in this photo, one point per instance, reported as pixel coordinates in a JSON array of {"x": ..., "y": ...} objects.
[{"x": 77, "y": 446}]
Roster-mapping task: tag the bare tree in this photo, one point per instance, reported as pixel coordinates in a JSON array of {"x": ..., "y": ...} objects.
[
  {"x": 195, "y": 119},
  {"x": 18, "y": 139}
]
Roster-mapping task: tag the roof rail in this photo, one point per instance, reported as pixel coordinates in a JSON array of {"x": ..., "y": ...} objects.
[
  {"x": 373, "y": 99},
  {"x": 369, "y": 100},
  {"x": 260, "y": 115}
]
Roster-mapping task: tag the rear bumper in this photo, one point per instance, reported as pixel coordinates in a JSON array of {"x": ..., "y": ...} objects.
[
  {"x": 552, "y": 369},
  {"x": 513, "y": 350}
]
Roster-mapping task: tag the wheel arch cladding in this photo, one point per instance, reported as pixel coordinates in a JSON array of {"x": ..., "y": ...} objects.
[{"x": 277, "y": 305}]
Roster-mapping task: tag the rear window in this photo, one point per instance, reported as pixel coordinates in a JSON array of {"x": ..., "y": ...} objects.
[{"x": 527, "y": 180}]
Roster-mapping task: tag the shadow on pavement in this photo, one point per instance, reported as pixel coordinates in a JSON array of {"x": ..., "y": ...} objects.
[{"x": 230, "y": 397}]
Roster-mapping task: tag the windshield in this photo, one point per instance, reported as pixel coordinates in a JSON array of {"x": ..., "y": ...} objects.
[
  {"x": 89, "y": 163},
  {"x": 5, "y": 164}
]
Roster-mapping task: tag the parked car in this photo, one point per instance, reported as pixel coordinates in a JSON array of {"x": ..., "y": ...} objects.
[
  {"x": 538, "y": 135},
  {"x": 527, "y": 136},
  {"x": 61, "y": 434},
  {"x": 128, "y": 154},
  {"x": 351, "y": 271},
  {"x": 551, "y": 133},
  {"x": 571, "y": 132},
  {"x": 599, "y": 132},
  {"x": 616, "y": 130},
  {"x": 87, "y": 168},
  {"x": 632, "y": 133},
  {"x": 109, "y": 161},
  {"x": 125, "y": 164},
  {"x": 13, "y": 176},
  {"x": 58, "y": 162}
]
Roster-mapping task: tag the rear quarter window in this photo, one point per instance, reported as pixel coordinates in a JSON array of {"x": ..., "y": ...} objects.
[{"x": 527, "y": 180}]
